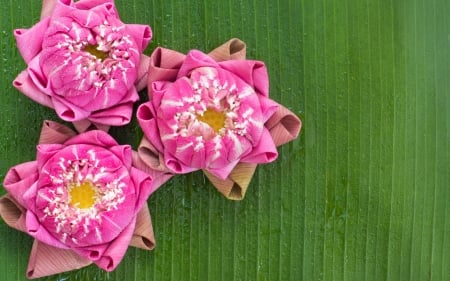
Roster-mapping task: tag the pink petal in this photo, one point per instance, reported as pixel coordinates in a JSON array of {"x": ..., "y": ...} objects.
[
  {"x": 146, "y": 118},
  {"x": 123, "y": 152},
  {"x": 19, "y": 179},
  {"x": 67, "y": 111},
  {"x": 142, "y": 75},
  {"x": 47, "y": 260},
  {"x": 268, "y": 107},
  {"x": 29, "y": 41},
  {"x": 193, "y": 60},
  {"x": 158, "y": 90},
  {"x": 103, "y": 5},
  {"x": 143, "y": 185},
  {"x": 98, "y": 138},
  {"x": 173, "y": 164},
  {"x": 142, "y": 34},
  {"x": 119, "y": 115},
  {"x": 253, "y": 73},
  {"x": 81, "y": 9},
  {"x": 24, "y": 84},
  {"x": 117, "y": 249},
  {"x": 92, "y": 253},
  {"x": 264, "y": 152},
  {"x": 224, "y": 171},
  {"x": 36, "y": 230},
  {"x": 45, "y": 152},
  {"x": 38, "y": 77}
]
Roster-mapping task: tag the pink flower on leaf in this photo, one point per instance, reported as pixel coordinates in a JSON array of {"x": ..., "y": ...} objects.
[
  {"x": 212, "y": 113},
  {"x": 82, "y": 199},
  {"x": 84, "y": 62}
]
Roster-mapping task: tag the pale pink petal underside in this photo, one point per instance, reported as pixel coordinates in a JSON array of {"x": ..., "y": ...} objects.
[
  {"x": 47, "y": 260},
  {"x": 47, "y": 8},
  {"x": 53, "y": 132},
  {"x": 143, "y": 236},
  {"x": 164, "y": 65},
  {"x": 233, "y": 49},
  {"x": 12, "y": 213},
  {"x": 158, "y": 177},
  {"x": 284, "y": 126},
  {"x": 151, "y": 156},
  {"x": 142, "y": 75},
  {"x": 235, "y": 186}
]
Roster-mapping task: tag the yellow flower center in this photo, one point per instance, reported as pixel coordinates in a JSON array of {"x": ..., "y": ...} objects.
[
  {"x": 93, "y": 50},
  {"x": 83, "y": 195},
  {"x": 215, "y": 119}
]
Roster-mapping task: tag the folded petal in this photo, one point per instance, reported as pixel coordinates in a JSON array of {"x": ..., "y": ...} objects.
[
  {"x": 47, "y": 8},
  {"x": 142, "y": 75},
  {"x": 45, "y": 152},
  {"x": 67, "y": 111},
  {"x": 12, "y": 213},
  {"x": 264, "y": 152},
  {"x": 25, "y": 84},
  {"x": 195, "y": 59},
  {"x": 91, "y": 253},
  {"x": 224, "y": 171},
  {"x": 164, "y": 65},
  {"x": 117, "y": 249},
  {"x": 29, "y": 41},
  {"x": 284, "y": 126},
  {"x": 144, "y": 187},
  {"x": 19, "y": 179},
  {"x": 85, "y": 125},
  {"x": 47, "y": 260},
  {"x": 233, "y": 49},
  {"x": 123, "y": 152},
  {"x": 53, "y": 132},
  {"x": 118, "y": 115},
  {"x": 235, "y": 186},
  {"x": 174, "y": 165},
  {"x": 142, "y": 34},
  {"x": 99, "y": 138},
  {"x": 268, "y": 107},
  {"x": 147, "y": 121},
  {"x": 36, "y": 230},
  {"x": 143, "y": 236},
  {"x": 252, "y": 72},
  {"x": 159, "y": 176}
]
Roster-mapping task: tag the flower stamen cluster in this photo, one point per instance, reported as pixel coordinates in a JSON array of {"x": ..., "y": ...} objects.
[
  {"x": 99, "y": 58},
  {"x": 79, "y": 192},
  {"x": 213, "y": 112}
]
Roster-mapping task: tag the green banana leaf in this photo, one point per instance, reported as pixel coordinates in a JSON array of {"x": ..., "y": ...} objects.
[{"x": 362, "y": 194}]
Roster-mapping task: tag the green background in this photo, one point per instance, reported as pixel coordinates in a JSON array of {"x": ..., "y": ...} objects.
[{"x": 362, "y": 194}]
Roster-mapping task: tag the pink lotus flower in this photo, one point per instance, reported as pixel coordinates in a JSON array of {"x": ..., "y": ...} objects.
[
  {"x": 212, "y": 112},
  {"x": 82, "y": 200},
  {"x": 84, "y": 62}
]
